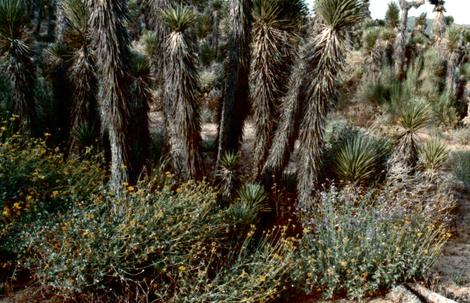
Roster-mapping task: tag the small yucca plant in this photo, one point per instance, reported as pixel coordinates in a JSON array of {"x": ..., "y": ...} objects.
[
  {"x": 84, "y": 134},
  {"x": 414, "y": 117},
  {"x": 228, "y": 174},
  {"x": 360, "y": 159},
  {"x": 434, "y": 155},
  {"x": 252, "y": 201}
]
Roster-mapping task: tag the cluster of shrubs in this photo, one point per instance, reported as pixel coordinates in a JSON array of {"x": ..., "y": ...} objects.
[{"x": 171, "y": 241}]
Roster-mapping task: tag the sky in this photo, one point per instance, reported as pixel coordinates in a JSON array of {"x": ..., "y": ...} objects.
[{"x": 459, "y": 9}]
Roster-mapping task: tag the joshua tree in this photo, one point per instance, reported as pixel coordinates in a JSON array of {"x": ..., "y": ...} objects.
[
  {"x": 139, "y": 129},
  {"x": 401, "y": 40},
  {"x": 235, "y": 105},
  {"x": 84, "y": 114},
  {"x": 161, "y": 34},
  {"x": 439, "y": 26},
  {"x": 111, "y": 43},
  {"x": 392, "y": 16},
  {"x": 181, "y": 87},
  {"x": 275, "y": 25},
  {"x": 19, "y": 64},
  {"x": 311, "y": 92},
  {"x": 216, "y": 8}
]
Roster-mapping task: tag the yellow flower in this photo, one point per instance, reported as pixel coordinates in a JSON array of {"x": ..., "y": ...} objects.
[
  {"x": 181, "y": 268},
  {"x": 343, "y": 263},
  {"x": 130, "y": 189},
  {"x": 17, "y": 206},
  {"x": 262, "y": 278},
  {"x": 6, "y": 212}
]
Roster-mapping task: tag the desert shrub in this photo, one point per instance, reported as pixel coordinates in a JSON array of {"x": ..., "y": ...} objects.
[
  {"x": 461, "y": 135},
  {"x": 461, "y": 167},
  {"x": 259, "y": 274},
  {"x": 36, "y": 185},
  {"x": 179, "y": 245},
  {"x": 357, "y": 244}
]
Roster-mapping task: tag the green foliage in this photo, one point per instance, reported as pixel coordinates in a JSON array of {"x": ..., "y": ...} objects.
[
  {"x": 358, "y": 244},
  {"x": 434, "y": 155},
  {"x": 361, "y": 159},
  {"x": 392, "y": 16},
  {"x": 369, "y": 38}
]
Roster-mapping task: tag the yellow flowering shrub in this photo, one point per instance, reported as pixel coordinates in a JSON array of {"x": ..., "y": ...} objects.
[
  {"x": 36, "y": 181},
  {"x": 178, "y": 244}
]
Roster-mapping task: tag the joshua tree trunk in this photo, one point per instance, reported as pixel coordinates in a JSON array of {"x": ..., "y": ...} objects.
[
  {"x": 401, "y": 40},
  {"x": 439, "y": 27},
  {"x": 20, "y": 69},
  {"x": 235, "y": 105},
  {"x": 181, "y": 88},
  {"x": 110, "y": 39},
  {"x": 287, "y": 131},
  {"x": 51, "y": 19}
]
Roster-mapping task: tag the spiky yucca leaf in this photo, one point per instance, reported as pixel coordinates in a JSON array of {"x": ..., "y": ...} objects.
[
  {"x": 178, "y": 19},
  {"x": 360, "y": 159},
  {"x": 76, "y": 13},
  {"x": 13, "y": 19},
  {"x": 415, "y": 116},
  {"x": 340, "y": 14},
  {"x": 280, "y": 13},
  {"x": 84, "y": 134},
  {"x": 434, "y": 155}
]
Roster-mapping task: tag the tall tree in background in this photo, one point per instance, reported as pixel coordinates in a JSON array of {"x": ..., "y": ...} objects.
[
  {"x": 401, "y": 40},
  {"x": 111, "y": 43},
  {"x": 181, "y": 87},
  {"x": 235, "y": 105},
  {"x": 439, "y": 25},
  {"x": 19, "y": 65},
  {"x": 276, "y": 23},
  {"x": 392, "y": 15}
]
